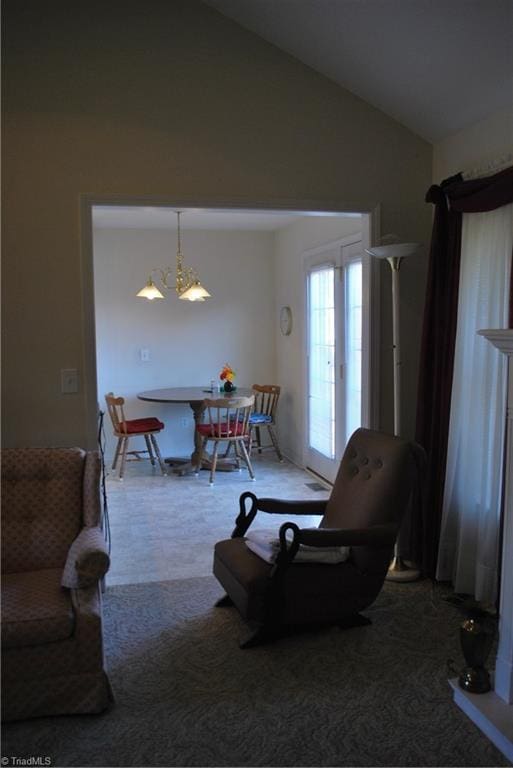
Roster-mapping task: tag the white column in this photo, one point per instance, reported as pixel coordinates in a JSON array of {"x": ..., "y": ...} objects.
[
  {"x": 503, "y": 340},
  {"x": 493, "y": 712}
]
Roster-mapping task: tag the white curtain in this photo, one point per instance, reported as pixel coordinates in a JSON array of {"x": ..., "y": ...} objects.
[{"x": 469, "y": 540}]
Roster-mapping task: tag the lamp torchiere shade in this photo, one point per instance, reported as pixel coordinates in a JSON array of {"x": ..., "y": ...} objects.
[{"x": 393, "y": 251}]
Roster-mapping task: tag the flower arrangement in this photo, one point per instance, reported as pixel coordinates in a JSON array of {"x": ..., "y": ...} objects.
[{"x": 227, "y": 375}]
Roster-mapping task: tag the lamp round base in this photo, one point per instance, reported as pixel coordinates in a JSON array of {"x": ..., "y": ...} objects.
[{"x": 399, "y": 571}]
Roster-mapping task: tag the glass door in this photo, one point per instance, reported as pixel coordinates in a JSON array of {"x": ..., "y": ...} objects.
[
  {"x": 334, "y": 290},
  {"x": 321, "y": 366}
]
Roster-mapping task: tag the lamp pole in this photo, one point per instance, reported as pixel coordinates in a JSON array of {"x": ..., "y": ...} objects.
[
  {"x": 394, "y": 254},
  {"x": 395, "y": 265}
]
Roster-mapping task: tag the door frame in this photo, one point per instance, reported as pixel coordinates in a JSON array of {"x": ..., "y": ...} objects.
[
  {"x": 370, "y": 218},
  {"x": 370, "y": 324}
]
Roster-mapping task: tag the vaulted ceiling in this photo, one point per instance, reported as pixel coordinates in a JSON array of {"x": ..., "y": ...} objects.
[{"x": 436, "y": 66}]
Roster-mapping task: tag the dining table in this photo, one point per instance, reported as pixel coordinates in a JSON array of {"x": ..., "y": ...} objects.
[{"x": 194, "y": 397}]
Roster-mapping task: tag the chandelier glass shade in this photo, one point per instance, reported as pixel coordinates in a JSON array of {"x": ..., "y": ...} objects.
[{"x": 186, "y": 282}]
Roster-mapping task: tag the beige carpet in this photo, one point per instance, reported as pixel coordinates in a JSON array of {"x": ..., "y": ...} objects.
[{"x": 187, "y": 696}]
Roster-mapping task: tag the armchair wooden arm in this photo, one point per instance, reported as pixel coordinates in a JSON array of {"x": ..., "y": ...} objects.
[
  {"x": 273, "y": 506},
  {"x": 374, "y": 536},
  {"x": 293, "y": 507}
]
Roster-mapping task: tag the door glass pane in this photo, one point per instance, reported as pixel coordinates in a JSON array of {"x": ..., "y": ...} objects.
[
  {"x": 321, "y": 357},
  {"x": 353, "y": 347}
]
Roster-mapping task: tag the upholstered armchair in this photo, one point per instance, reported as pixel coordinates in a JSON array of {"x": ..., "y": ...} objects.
[
  {"x": 53, "y": 559},
  {"x": 376, "y": 480}
]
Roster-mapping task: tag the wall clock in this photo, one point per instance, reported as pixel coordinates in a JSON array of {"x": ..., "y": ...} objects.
[{"x": 286, "y": 321}]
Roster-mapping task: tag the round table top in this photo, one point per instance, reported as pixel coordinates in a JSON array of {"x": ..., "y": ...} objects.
[{"x": 188, "y": 394}]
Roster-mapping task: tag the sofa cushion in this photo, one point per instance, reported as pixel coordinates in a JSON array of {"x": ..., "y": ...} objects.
[
  {"x": 42, "y": 498},
  {"x": 35, "y": 608}
]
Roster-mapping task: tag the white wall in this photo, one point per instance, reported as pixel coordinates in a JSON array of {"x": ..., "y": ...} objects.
[
  {"x": 188, "y": 342},
  {"x": 291, "y": 242},
  {"x": 176, "y": 104},
  {"x": 474, "y": 147}
]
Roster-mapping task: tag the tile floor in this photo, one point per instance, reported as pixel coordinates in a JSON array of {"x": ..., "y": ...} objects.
[{"x": 165, "y": 527}]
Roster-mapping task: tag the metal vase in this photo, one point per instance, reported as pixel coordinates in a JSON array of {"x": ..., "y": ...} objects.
[{"x": 477, "y": 632}]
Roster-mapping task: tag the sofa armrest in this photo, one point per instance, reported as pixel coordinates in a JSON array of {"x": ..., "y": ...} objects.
[
  {"x": 373, "y": 536},
  {"x": 91, "y": 489},
  {"x": 88, "y": 559}
]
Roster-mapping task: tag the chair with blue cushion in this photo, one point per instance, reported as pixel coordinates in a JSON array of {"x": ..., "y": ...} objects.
[{"x": 266, "y": 401}]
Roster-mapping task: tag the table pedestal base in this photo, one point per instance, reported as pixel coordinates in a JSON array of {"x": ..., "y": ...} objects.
[{"x": 189, "y": 467}]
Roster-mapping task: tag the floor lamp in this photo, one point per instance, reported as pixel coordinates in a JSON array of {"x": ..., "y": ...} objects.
[{"x": 394, "y": 254}]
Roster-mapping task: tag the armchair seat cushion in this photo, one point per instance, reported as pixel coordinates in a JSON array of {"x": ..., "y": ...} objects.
[
  {"x": 311, "y": 591},
  {"x": 266, "y": 544},
  {"x": 35, "y": 608}
]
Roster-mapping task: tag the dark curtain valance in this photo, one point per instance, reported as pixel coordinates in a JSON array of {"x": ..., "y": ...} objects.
[
  {"x": 451, "y": 199},
  {"x": 474, "y": 195}
]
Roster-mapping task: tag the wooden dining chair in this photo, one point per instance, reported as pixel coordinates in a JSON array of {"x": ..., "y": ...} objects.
[
  {"x": 264, "y": 413},
  {"x": 226, "y": 423},
  {"x": 124, "y": 429}
]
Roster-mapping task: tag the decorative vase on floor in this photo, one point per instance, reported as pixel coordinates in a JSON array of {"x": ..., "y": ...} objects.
[
  {"x": 476, "y": 636},
  {"x": 228, "y": 386}
]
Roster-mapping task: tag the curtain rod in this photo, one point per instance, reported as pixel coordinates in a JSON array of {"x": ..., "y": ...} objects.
[{"x": 487, "y": 170}]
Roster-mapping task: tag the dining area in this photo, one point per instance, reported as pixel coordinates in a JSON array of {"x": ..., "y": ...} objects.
[
  {"x": 155, "y": 329},
  {"x": 159, "y": 350},
  {"x": 226, "y": 419}
]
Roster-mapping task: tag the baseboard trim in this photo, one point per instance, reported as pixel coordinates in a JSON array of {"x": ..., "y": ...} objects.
[
  {"x": 490, "y": 713},
  {"x": 317, "y": 476}
]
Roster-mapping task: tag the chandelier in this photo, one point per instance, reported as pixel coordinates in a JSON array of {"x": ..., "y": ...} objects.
[{"x": 186, "y": 283}]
